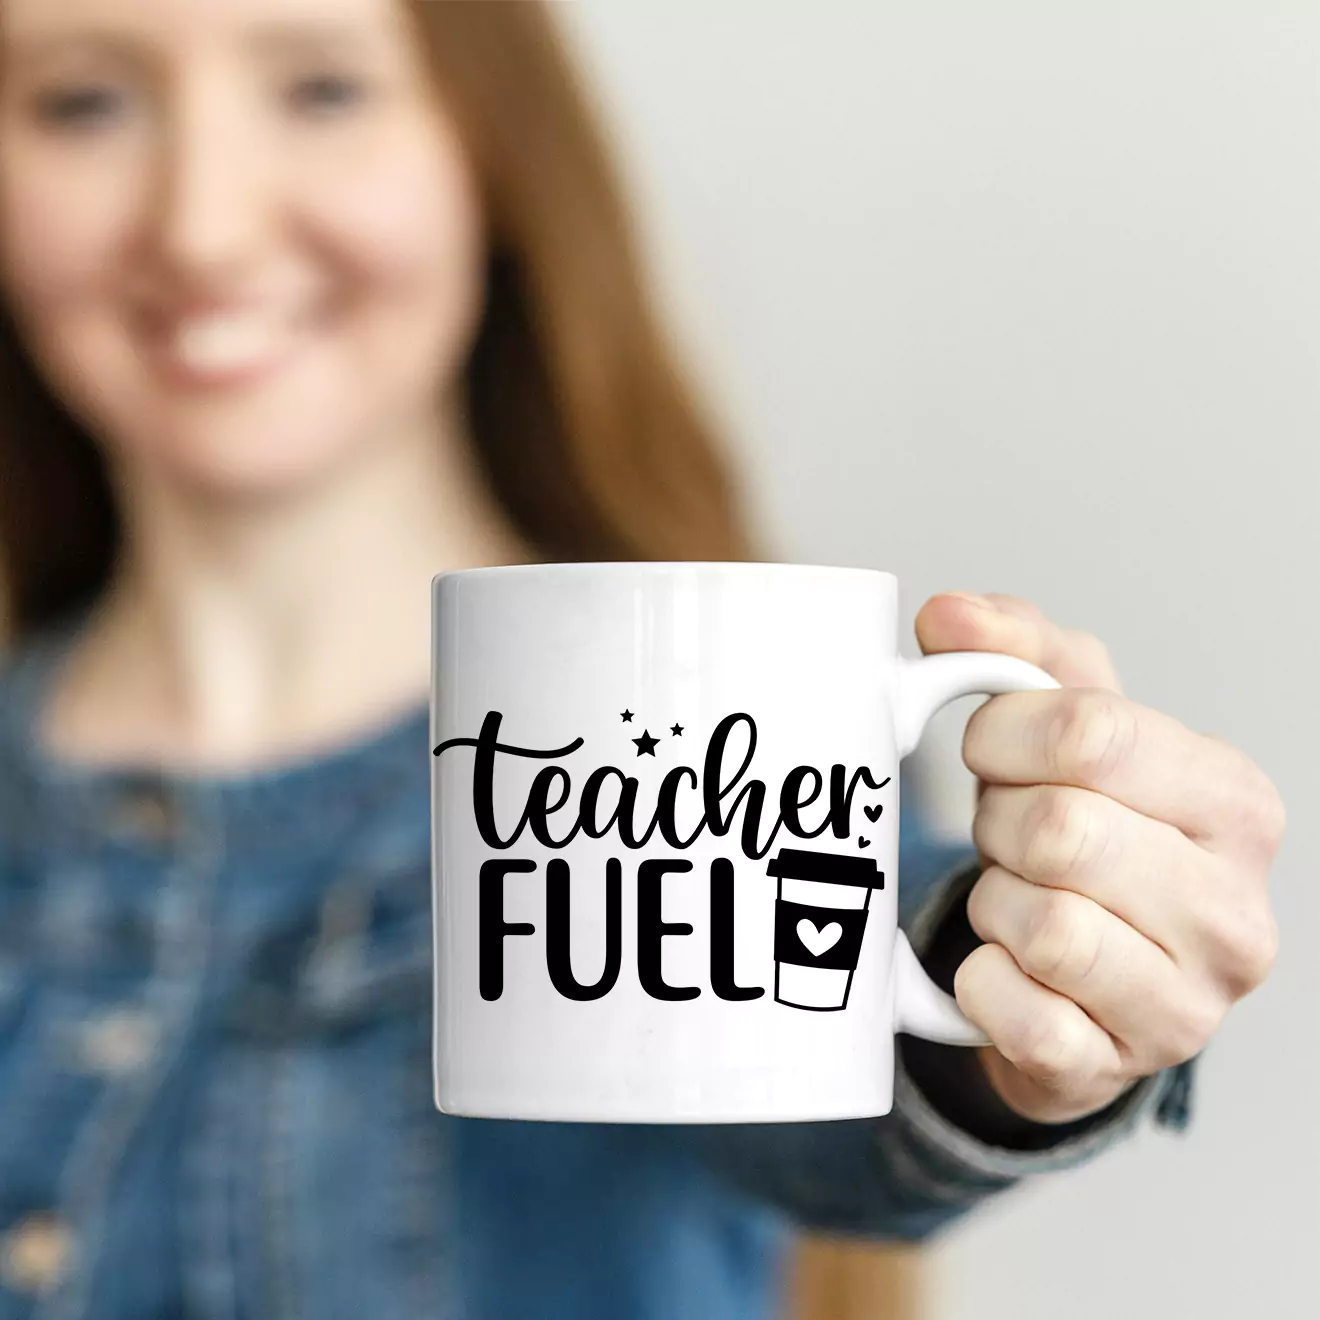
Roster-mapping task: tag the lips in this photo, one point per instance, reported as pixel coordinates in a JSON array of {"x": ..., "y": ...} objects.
[
  {"x": 223, "y": 345},
  {"x": 227, "y": 342}
]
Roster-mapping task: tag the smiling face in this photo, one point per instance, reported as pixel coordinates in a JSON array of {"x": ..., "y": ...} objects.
[{"x": 241, "y": 239}]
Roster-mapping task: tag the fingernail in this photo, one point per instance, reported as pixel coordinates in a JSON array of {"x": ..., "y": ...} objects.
[{"x": 977, "y": 602}]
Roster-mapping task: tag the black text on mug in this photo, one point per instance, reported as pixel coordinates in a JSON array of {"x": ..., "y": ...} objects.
[{"x": 822, "y": 897}]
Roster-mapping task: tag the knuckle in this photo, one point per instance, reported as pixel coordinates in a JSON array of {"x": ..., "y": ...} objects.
[
  {"x": 1270, "y": 816},
  {"x": 1255, "y": 946},
  {"x": 1059, "y": 945},
  {"x": 1090, "y": 735},
  {"x": 1256, "y": 809},
  {"x": 1244, "y": 943},
  {"x": 1053, "y": 1049},
  {"x": 1061, "y": 834},
  {"x": 1189, "y": 1032}
]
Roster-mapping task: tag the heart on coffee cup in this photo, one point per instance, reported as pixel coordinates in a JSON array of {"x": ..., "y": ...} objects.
[
  {"x": 818, "y": 939},
  {"x": 873, "y": 813}
]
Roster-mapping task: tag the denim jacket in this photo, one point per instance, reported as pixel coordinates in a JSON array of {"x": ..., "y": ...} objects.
[{"x": 215, "y": 1093}]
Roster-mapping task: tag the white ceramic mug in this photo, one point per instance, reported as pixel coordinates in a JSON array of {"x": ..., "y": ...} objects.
[{"x": 665, "y": 840}]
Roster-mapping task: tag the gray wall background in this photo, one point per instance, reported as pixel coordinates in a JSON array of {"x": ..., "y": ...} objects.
[{"x": 1027, "y": 298}]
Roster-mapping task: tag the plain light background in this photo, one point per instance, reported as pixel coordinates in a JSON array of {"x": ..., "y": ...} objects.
[{"x": 1027, "y": 298}]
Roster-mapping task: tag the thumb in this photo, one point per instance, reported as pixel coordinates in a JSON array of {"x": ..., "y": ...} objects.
[{"x": 960, "y": 621}]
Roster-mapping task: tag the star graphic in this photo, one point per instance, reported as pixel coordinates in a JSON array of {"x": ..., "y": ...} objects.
[
  {"x": 646, "y": 744},
  {"x": 626, "y": 716},
  {"x": 676, "y": 730}
]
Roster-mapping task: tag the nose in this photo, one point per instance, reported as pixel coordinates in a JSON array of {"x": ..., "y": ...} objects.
[{"x": 213, "y": 204}]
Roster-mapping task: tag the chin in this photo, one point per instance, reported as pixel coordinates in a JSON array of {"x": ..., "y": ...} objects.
[
  {"x": 237, "y": 475},
  {"x": 247, "y": 453}
]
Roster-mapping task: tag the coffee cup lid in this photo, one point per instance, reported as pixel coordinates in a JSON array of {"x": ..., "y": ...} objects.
[{"x": 830, "y": 868}]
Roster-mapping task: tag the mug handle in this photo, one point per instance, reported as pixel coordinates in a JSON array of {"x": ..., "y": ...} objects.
[{"x": 921, "y": 1008}]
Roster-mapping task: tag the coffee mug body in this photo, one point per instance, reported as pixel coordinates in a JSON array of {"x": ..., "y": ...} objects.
[{"x": 665, "y": 833}]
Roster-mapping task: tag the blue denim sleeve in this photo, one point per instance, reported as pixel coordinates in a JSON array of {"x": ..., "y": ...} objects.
[{"x": 910, "y": 1173}]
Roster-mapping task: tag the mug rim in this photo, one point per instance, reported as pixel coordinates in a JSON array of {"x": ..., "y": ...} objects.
[{"x": 731, "y": 567}]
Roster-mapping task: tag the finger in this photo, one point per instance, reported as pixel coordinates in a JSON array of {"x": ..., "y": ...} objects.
[
  {"x": 1094, "y": 739},
  {"x": 1075, "y": 658},
  {"x": 1039, "y": 1031},
  {"x": 960, "y": 621},
  {"x": 1124, "y": 982},
  {"x": 1211, "y": 915},
  {"x": 1144, "y": 871}
]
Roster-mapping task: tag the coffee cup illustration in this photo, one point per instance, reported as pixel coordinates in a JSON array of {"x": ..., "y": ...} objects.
[{"x": 820, "y": 917}]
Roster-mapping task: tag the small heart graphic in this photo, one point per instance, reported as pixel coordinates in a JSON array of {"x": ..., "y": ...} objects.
[
  {"x": 873, "y": 813},
  {"x": 863, "y": 843},
  {"x": 818, "y": 939}
]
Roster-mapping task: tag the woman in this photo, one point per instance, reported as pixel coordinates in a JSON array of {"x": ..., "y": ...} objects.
[{"x": 307, "y": 300}]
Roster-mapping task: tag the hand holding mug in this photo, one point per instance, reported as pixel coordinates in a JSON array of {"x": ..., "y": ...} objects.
[{"x": 1123, "y": 901}]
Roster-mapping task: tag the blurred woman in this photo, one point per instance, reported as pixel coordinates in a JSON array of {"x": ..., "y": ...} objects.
[{"x": 305, "y": 301}]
